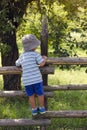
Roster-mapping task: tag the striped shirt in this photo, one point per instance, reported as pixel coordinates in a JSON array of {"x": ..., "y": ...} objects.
[{"x": 29, "y": 62}]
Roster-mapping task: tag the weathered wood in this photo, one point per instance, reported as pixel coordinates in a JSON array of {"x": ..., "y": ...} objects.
[
  {"x": 66, "y": 87},
  {"x": 47, "y": 70},
  {"x": 20, "y": 94},
  {"x": 64, "y": 114},
  {"x": 16, "y": 70},
  {"x": 48, "y": 90},
  {"x": 24, "y": 122},
  {"x": 44, "y": 51},
  {"x": 68, "y": 61}
]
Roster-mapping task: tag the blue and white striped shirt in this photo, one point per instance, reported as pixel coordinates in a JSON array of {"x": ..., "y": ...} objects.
[{"x": 29, "y": 62}]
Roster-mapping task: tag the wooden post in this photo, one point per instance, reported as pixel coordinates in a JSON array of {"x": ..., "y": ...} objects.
[
  {"x": 44, "y": 51},
  {"x": 44, "y": 48}
]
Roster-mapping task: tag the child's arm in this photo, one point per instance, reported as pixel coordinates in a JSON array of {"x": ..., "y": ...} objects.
[{"x": 43, "y": 62}]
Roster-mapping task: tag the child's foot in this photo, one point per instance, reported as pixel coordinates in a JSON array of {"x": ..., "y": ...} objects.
[
  {"x": 34, "y": 112},
  {"x": 42, "y": 110}
]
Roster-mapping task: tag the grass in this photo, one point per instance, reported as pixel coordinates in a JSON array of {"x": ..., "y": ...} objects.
[
  {"x": 71, "y": 76},
  {"x": 69, "y": 100}
]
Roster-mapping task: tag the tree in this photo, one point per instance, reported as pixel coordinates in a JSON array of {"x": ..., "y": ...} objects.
[
  {"x": 69, "y": 21},
  {"x": 57, "y": 20},
  {"x": 76, "y": 37},
  {"x": 65, "y": 18},
  {"x": 11, "y": 14}
]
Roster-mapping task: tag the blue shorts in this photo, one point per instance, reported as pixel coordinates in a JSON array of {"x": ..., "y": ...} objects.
[{"x": 34, "y": 89}]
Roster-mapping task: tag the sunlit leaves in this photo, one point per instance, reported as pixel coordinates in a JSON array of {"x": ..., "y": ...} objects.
[
  {"x": 67, "y": 24},
  {"x": 4, "y": 48}
]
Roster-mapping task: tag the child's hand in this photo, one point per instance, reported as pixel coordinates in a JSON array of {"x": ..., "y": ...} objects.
[
  {"x": 44, "y": 57},
  {"x": 43, "y": 63}
]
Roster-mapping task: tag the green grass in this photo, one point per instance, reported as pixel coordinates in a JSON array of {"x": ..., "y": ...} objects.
[
  {"x": 68, "y": 100},
  {"x": 72, "y": 76},
  {"x": 14, "y": 108}
]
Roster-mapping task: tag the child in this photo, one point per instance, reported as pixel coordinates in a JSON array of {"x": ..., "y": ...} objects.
[{"x": 30, "y": 61}]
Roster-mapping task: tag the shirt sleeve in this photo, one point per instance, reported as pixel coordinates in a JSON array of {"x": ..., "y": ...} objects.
[{"x": 39, "y": 58}]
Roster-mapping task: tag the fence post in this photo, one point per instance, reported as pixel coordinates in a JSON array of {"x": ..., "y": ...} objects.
[{"x": 44, "y": 51}]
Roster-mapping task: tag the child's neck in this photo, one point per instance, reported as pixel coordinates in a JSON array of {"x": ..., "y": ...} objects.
[{"x": 33, "y": 49}]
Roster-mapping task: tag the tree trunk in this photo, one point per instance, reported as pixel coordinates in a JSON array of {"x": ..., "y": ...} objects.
[
  {"x": 13, "y": 12},
  {"x": 11, "y": 82}
]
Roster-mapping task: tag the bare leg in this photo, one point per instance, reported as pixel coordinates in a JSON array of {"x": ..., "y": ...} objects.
[
  {"x": 32, "y": 101},
  {"x": 41, "y": 100}
]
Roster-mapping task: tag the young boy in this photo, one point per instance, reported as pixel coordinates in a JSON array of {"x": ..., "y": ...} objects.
[{"x": 30, "y": 61}]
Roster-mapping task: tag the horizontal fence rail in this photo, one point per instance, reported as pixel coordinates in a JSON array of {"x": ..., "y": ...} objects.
[
  {"x": 47, "y": 69},
  {"x": 17, "y": 70},
  {"x": 66, "y": 87},
  {"x": 48, "y": 90},
  {"x": 20, "y": 94},
  {"x": 67, "y": 61},
  {"x": 24, "y": 122},
  {"x": 64, "y": 114}
]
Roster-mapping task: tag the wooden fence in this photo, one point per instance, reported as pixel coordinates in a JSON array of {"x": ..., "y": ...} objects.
[{"x": 45, "y": 119}]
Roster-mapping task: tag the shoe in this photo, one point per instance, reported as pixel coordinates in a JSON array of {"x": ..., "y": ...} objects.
[
  {"x": 34, "y": 112},
  {"x": 42, "y": 110}
]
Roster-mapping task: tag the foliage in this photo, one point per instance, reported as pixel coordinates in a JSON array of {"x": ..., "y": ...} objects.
[
  {"x": 72, "y": 6},
  {"x": 67, "y": 26},
  {"x": 76, "y": 36},
  {"x": 4, "y": 48},
  {"x": 68, "y": 32},
  {"x": 11, "y": 13},
  {"x": 57, "y": 28},
  {"x": 66, "y": 21},
  {"x": 57, "y": 21}
]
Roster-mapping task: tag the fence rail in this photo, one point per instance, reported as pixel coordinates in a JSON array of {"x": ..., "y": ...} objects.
[
  {"x": 67, "y": 61},
  {"x": 66, "y": 87},
  {"x": 17, "y": 70},
  {"x": 65, "y": 114},
  {"x": 22, "y": 122},
  {"x": 20, "y": 94}
]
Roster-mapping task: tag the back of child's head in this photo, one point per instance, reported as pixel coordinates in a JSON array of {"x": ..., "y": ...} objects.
[{"x": 30, "y": 42}]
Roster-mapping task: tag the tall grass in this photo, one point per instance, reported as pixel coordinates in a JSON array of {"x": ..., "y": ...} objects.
[
  {"x": 68, "y": 76},
  {"x": 68, "y": 100}
]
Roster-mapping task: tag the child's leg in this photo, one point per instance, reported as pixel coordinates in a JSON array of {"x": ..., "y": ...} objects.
[
  {"x": 41, "y": 100},
  {"x": 41, "y": 104},
  {"x": 32, "y": 101},
  {"x": 40, "y": 93},
  {"x": 30, "y": 92}
]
